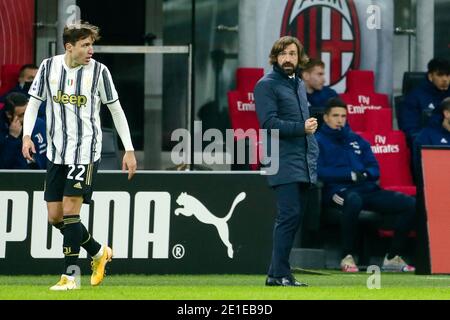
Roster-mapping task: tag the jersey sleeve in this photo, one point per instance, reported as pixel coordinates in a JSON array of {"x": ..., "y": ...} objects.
[
  {"x": 108, "y": 93},
  {"x": 38, "y": 88}
]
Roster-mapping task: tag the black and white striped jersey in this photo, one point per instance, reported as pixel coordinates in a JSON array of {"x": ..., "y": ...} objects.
[{"x": 74, "y": 96}]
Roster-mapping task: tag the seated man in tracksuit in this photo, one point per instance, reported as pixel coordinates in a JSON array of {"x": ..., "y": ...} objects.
[
  {"x": 437, "y": 133},
  {"x": 349, "y": 171},
  {"x": 11, "y": 126},
  {"x": 425, "y": 98}
]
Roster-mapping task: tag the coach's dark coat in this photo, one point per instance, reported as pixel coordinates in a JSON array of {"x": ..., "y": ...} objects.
[{"x": 281, "y": 104}]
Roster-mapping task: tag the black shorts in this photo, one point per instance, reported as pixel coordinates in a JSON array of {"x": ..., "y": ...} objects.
[{"x": 69, "y": 180}]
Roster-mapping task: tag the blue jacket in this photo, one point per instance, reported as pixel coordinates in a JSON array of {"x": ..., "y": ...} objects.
[
  {"x": 319, "y": 98},
  {"x": 432, "y": 135},
  {"x": 11, "y": 148},
  {"x": 281, "y": 104},
  {"x": 425, "y": 97},
  {"x": 341, "y": 152}
]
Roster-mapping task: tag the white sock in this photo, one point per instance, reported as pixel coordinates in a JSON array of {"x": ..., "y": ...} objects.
[{"x": 99, "y": 254}]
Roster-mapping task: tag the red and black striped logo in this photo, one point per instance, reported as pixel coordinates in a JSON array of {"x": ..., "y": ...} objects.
[{"x": 329, "y": 30}]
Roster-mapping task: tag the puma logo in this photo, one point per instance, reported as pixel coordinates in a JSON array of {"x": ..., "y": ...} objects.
[{"x": 193, "y": 207}]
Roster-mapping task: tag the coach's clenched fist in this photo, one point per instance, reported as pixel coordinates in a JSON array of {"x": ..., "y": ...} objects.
[{"x": 310, "y": 125}]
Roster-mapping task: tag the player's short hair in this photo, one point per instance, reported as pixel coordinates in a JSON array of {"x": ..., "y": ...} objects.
[
  {"x": 334, "y": 102},
  {"x": 281, "y": 44},
  {"x": 79, "y": 31},
  {"x": 313, "y": 63},
  {"x": 27, "y": 66},
  {"x": 445, "y": 104},
  {"x": 13, "y": 100},
  {"x": 439, "y": 65}
]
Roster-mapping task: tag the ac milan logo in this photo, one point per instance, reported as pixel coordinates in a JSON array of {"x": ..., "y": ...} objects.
[{"x": 329, "y": 30}]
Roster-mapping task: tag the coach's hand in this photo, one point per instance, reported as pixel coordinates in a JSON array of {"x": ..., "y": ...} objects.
[
  {"x": 310, "y": 125},
  {"x": 129, "y": 162},
  {"x": 27, "y": 145}
]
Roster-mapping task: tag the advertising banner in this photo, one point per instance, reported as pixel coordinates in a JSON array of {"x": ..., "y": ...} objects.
[{"x": 163, "y": 223}]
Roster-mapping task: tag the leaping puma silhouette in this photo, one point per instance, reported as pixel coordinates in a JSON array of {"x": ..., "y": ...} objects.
[{"x": 193, "y": 207}]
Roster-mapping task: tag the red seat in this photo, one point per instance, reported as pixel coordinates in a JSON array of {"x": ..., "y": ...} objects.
[
  {"x": 393, "y": 156},
  {"x": 246, "y": 79},
  {"x": 1, "y": 105},
  {"x": 378, "y": 120},
  {"x": 9, "y": 75},
  {"x": 241, "y": 106},
  {"x": 242, "y": 111},
  {"x": 361, "y": 96},
  {"x": 243, "y": 116}
]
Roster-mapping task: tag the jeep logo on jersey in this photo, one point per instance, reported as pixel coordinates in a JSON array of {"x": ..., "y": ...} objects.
[
  {"x": 191, "y": 206},
  {"x": 72, "y": 99},
  {"x": 329, "y": 30}
]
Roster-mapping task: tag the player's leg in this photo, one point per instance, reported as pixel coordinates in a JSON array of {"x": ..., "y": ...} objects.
[
  {"x": 55, "y": 187},
  {"x": 71, "y": 241},
  {"x": 53, "y": 195},
  {"x": 80, "y": 183},
  {"x": 55, "y": 215},
  {"x": 72, "y": 232},
  {"x": 55, "y": 218}
]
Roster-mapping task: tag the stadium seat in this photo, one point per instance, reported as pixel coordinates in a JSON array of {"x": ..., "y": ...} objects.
[
  {"x": 393, "y": 156},
  {"x": 412, "y": 80},
  {"x": 242, "y": 112},
  {"x": 378, "y": 120},
  {"x": 110, "y": 159},
  {"x": 9, "y": 74},
  {"x": 1, "y": 106},
  {"x": 243, "y": 116},
  {"x": 246, "y": 79},
  {"x": 361, "y": 96}
]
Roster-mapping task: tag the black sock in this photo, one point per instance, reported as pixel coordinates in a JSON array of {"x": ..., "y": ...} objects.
[
  {"x": 71, "y": 244},
  {"x": 88, "y": 243}
]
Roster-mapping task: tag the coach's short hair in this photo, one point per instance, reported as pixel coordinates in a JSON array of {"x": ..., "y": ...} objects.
[
  {"x": 79, "y": 31},
  {"x": 284, "y": 42},
  {"x": 334, "y": 102}
]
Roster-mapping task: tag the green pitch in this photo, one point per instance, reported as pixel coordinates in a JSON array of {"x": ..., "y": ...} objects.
[{"x": 333, "y": 285}]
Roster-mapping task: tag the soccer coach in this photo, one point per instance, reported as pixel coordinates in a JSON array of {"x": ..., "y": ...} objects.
[{"x": 281, "y": 104}]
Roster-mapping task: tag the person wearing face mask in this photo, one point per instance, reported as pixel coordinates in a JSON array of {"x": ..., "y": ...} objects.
[
  {"x": 349, "y": 171},
  {"x": 26, "y": 77}
]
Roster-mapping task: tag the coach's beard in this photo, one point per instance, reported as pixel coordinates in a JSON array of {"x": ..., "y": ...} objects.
[{"x": 288, "y": 68}]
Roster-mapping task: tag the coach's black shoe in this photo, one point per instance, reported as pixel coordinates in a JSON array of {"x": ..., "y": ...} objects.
[{"x": 288, "y": 281}]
